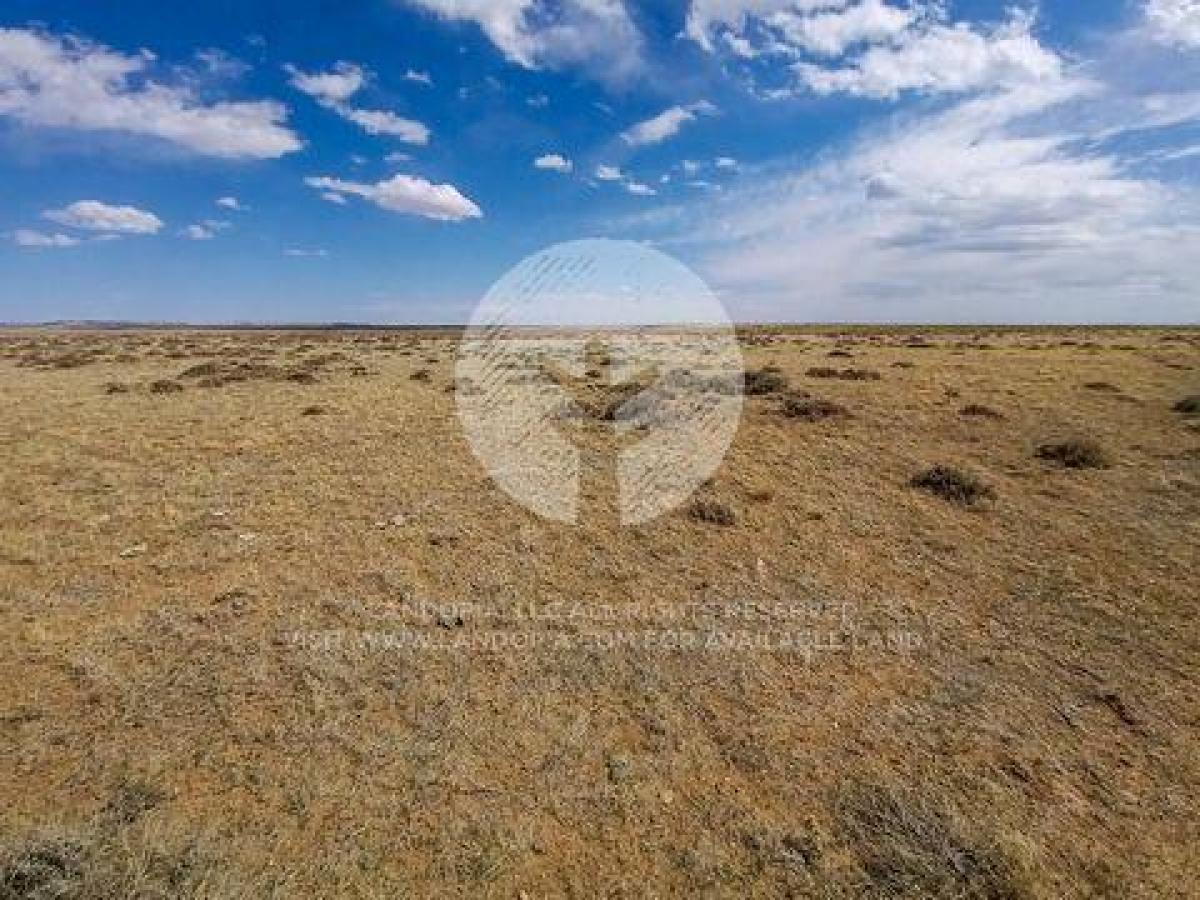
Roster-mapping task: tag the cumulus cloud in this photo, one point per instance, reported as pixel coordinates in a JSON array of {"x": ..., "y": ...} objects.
[
  {"x": 420, "y": 77},
  {"x": 1175, "y": 22},
  {"x": 874, "y": 48},
  {"x": 231, "y": 203},
  {"x": 640, "y": 190},
  {"x": 26, "y": 237},
  {"x": 69, "y": 82},
  {"x": 608, "y": 173},
  {"x": 554, "y": 162},
  {"x": 666, "y": 124},
  {"x": 831, "y": 33},
  {"x": 337, "y": 85},
  {"x": 405, "y": 194},
  {"x": 92, "y": 215},
  {"x": 597, "y": 35},
  {"x": 942, "y": 59},
  {"x": 332, "y": 89}
]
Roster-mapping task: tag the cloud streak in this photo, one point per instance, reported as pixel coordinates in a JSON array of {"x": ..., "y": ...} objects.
[{"x": 405, "y": 194}]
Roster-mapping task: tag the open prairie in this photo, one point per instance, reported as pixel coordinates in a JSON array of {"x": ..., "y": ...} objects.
[{"x": 270, "y": 629}]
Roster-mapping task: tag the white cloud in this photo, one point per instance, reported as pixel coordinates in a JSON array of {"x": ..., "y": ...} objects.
[
  {"x": 337, "y": 85},
  {"x": 725, "y": 162},
  {"x": 998, "y": 208},
  {"x": 198, "y": 233},
  {"x": 335, "y": 198},
  {"x": 597, "y": 35},
  {"x": 608, "y": 173},
  {"x": 419, "y": 77},
  {"x": 666, "y": 124},
  {"x": 831, "y": 33},
  {"x": 639, "y": 189},
  {"x": 231, "y": 203},
  {"x": 1175, "y": 22},
  {"x": 92, "y": 215},
  {"x": 334, "y": 88},
  {"x": 204, "y": 231},
  {"x": 318, "y": 253},
  {"x": 69, "y": 82},
  {"x": 26, "y": 237},
  {"x": 387, "y": 123},
  {"x": 942, "y": 58},
  {"x": 397, "y": 157},
  {"x": 405, "y": 194},
  {"x": 554, "y": 162},
  {"x": 874, "y": 48}
]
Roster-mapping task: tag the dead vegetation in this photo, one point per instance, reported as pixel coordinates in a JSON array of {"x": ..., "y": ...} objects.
[
  {"x": 763, "y": 381},
  {"x": 222, "y": 591},
  {"x": 979, "y": 411},
  {"x": 1075, "y": 453},
  {"x": 712, "y": 512},
  {"x": 812, "y": 409},
  {"x": 955, "y": 485},
  {"x": 843, "y": 374}
]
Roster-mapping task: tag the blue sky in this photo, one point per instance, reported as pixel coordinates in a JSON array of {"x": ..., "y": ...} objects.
[{"x": 385, "y": 161}]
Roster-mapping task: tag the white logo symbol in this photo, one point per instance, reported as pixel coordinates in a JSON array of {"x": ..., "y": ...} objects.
[{"x": 599, "y": 379}]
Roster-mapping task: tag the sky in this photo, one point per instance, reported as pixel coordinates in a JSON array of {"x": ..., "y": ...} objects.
[{"x": 385, "y": 161}]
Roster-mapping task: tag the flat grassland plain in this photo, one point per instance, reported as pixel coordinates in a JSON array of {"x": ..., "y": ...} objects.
[{"x": 269, "y": 630}]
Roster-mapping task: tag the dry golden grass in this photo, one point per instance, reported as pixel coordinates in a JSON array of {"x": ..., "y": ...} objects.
[{"x": 209, "y": 595}]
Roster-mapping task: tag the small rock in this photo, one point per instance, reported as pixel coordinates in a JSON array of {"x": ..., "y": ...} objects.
[{"x": 131, "y": 552}]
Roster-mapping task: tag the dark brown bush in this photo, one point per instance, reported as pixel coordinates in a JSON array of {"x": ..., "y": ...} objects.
[
  {"x": 842, "y": 374},
  {"x": 712, "y": 512},
  {"x": 767, "y": 380},
  {"x": 165, "y": 386},
  {"x": 1075, "y": 453},
  {"x": 812, "y": 409},
  {"x": 978, "y": 410},
  {"x": 420, "y": 375},
  {"x": 954, "y": 485},
  {"x": 115, "y": 387},
  {"x": 1102, "y": 386},
  {"x": 1189, "y": 406}
]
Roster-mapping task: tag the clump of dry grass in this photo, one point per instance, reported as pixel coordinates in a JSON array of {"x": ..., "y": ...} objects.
[
  {"x": 843, "y": 374},
  {"x": 911, "y": 845},
  {"x": 1075, "y": 453},
  {"x": 116, "y": 387},
  {"x": 812, "y": 409},
  {"x": 1103, "y": 387},
  {"x": 712, "y": 512},
  {"x": 1189, "y": 406},
  {"x": 420, "y": 375},
  {"x": 767, "y": 380},
  {"x": 955, "y": 485},
  {"x": 978, "y": 410},
  {"x": 165, "y": 386}
]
